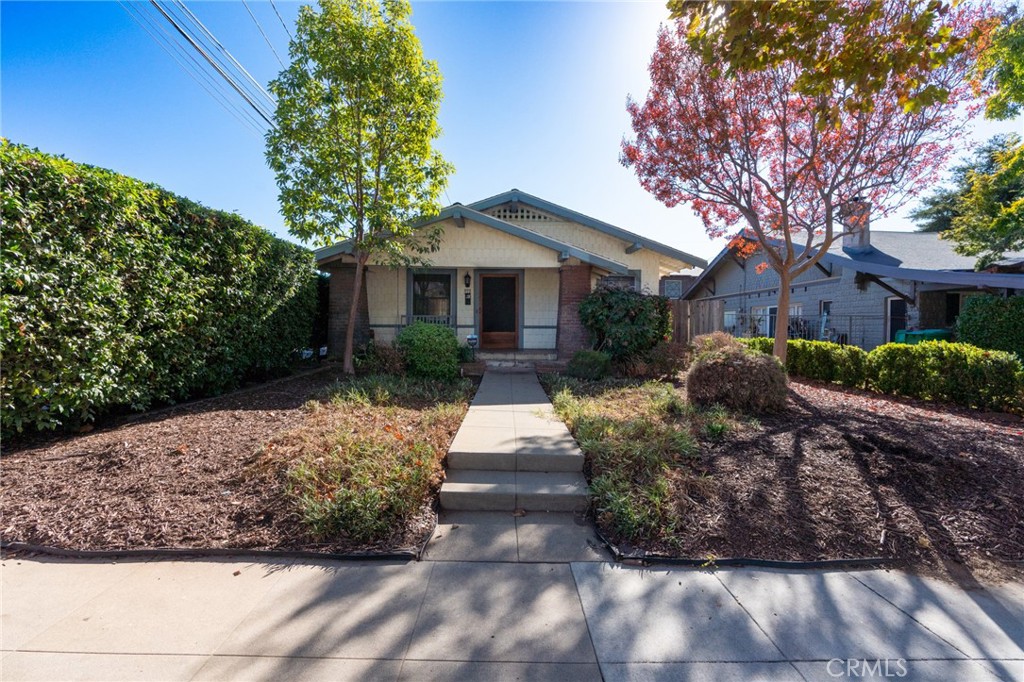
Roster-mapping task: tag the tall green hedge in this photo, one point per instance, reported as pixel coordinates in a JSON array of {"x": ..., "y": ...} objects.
[
  {"x": 118, "y": 293},
  {"x": 993, "y": 322}
]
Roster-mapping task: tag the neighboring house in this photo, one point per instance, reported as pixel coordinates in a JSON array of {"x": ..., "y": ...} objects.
[
  {"x": 864, "y": 290},
  {"x": 511, "y": 269}
]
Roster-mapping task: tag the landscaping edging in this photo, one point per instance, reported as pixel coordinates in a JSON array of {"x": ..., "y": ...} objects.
[
  {"x": 410, "y": 554},
  {"x": 199, "y": 553},
  {"x": 646, "y": 558}
]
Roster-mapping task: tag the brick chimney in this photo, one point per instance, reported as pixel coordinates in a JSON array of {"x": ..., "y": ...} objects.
[{"x": 855, "y": 215}]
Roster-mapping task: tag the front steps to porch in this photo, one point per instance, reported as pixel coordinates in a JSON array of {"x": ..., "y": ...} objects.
[
  {"x": 512, "y": 453},
  {"x": 516, "y": 359}
]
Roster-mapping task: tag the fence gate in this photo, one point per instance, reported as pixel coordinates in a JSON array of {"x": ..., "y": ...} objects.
[{"x": 693, "y": 318}]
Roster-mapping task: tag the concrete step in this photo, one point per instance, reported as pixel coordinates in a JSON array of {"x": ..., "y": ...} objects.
[
  {"x": 478, "y": 490},
  {"x": 517, "y": 461}
]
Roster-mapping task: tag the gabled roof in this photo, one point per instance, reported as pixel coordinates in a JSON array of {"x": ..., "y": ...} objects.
[
  {"x": 918, "y": 256},
  {"x": 475, "y": 212},
  {"x": 635, "y": 241},
  {"x": 459, "y": 212}
]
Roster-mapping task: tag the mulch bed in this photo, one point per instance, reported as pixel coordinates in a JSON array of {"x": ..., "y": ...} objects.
[
  {"x": 184, "y": 477},
  {"x": 846, "y": 473}
]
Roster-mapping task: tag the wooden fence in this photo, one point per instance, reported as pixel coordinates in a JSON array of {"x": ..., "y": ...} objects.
[{"x": 693, "y": 318}]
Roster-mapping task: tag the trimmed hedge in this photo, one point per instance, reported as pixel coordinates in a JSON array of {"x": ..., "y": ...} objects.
[
  {"x": 625, "y": 323},
  {"x": 932, "y": 370},
  {"x": 952, "y": 372},
  {"x": 119, "y": 294},
  {"x": 819, "y": 360},
  {"x": 993, "y": 322},
  {"x": 431, "y": 351}
]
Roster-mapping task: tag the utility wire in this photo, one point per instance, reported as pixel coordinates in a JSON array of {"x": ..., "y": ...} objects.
[
  {"x": 241, "y": 69},
  {"x": 231, "y": 81},
  {"x": 238, "y": 75},
  {"x": 281, "y": 19},
  {"x": 171, "y": 48},
  {"x": 269, "y": 44}
]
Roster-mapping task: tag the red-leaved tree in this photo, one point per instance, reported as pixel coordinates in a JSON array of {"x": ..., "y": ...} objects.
[{"x": 751, "y": 154}]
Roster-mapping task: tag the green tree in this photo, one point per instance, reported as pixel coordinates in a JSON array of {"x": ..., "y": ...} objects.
[
  {"x": 936, "y": 211},
  {"x": 1002, "y": 68},
  {"x": 989, "y": 220},
  {"x": 862, "y": 47},
  {"x": 352, "y": 149}
]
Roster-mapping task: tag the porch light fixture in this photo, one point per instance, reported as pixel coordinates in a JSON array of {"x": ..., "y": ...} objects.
[{"x": 467, "y": 280}]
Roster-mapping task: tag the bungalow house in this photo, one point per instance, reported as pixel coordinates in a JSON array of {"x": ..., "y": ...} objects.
[
  {"x": 864, "y": 290},
  {"x": 511, "y": 270}
]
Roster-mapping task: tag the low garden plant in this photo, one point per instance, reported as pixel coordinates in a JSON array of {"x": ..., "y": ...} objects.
[
  {"x": 368, "y": 459},
  {"x": 640, "y": 440},
  {"x": 589, "y": 364}
]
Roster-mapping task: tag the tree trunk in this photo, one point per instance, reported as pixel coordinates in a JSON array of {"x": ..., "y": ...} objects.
[
  {"x": 782, "y": 317},
  {"x": 348, "y": 366}
]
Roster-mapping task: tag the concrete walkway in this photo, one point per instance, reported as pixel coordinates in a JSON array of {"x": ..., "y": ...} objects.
[
  {"x": 511, "y": 452},
  {"x": 287, "y": 620}
]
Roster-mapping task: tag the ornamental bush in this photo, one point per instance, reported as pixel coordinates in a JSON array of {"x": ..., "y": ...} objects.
[
  {"x": 993, "y": 322},
  {"x": 738, "y": 378},
  {"x": 953, "y": 372},
  {"x": 592, "y": 365},
  {"x": 431, "y": 351},
  {"x": 117, "y": 293},
  {"x": 625, "y": 323},
  {"x": 821, "y": 360}
]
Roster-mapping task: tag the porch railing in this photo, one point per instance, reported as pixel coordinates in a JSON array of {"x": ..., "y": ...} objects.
[{"x": 443, "y": 320}]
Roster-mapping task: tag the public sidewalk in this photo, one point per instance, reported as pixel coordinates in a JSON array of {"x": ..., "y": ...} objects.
[{"x": 453, "y": 620}]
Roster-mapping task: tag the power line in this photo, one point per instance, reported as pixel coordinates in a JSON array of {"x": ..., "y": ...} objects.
[
  {"x": 171, "y": 47},
  {"x": 281, "y": 19},
  {"x": 270, "y": 44},
  {"x": 195, "y": 45},
  {"x": 246, "y": 76}
]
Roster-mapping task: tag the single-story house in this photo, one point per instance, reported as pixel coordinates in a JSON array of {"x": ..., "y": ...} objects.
[
  {"x": 866, "y": 287},
  {"x": 511, "y": 269}
]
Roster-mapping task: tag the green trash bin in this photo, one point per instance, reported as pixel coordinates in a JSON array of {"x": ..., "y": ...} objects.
[
  {"x": 901, "y": 336},
  {"x": 936, "y": 334}
]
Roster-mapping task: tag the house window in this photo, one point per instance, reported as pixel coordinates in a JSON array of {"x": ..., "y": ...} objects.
[
  {"x": 825, "y": 308},
  {"x": 432, "y": 297},
  {"x": 729, "y": 321}
]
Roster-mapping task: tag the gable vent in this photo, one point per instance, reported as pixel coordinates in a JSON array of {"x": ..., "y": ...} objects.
[{"x": 510, "y": 214}]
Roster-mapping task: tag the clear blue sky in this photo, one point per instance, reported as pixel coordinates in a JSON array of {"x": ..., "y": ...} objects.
[{"x": 534, "y": 98}]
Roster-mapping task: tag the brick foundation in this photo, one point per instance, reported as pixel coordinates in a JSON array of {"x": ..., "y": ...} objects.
[
  {"x": 573, "y": 287},
  {"x": 343, "y": 277}
]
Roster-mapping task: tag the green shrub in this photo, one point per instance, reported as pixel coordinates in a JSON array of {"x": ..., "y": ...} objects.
[
  {"x": 953, "y": 372},
  {"x": 738, "y": 378},
  {"x": 625, "y": 323},
  {"x": 119, "y": 294},
  {"x": 592, "y": 365},
  {"x": 431, "y": 350},
  {"x": 821, "y": 360},
  {"x": 993, "y": 322},
  {"x": 664, "y": 361}
]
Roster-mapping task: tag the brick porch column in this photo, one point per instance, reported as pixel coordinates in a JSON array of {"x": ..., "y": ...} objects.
[
  {"x": 573, "y": 287},
  {"x": 342, "y": 283}
]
